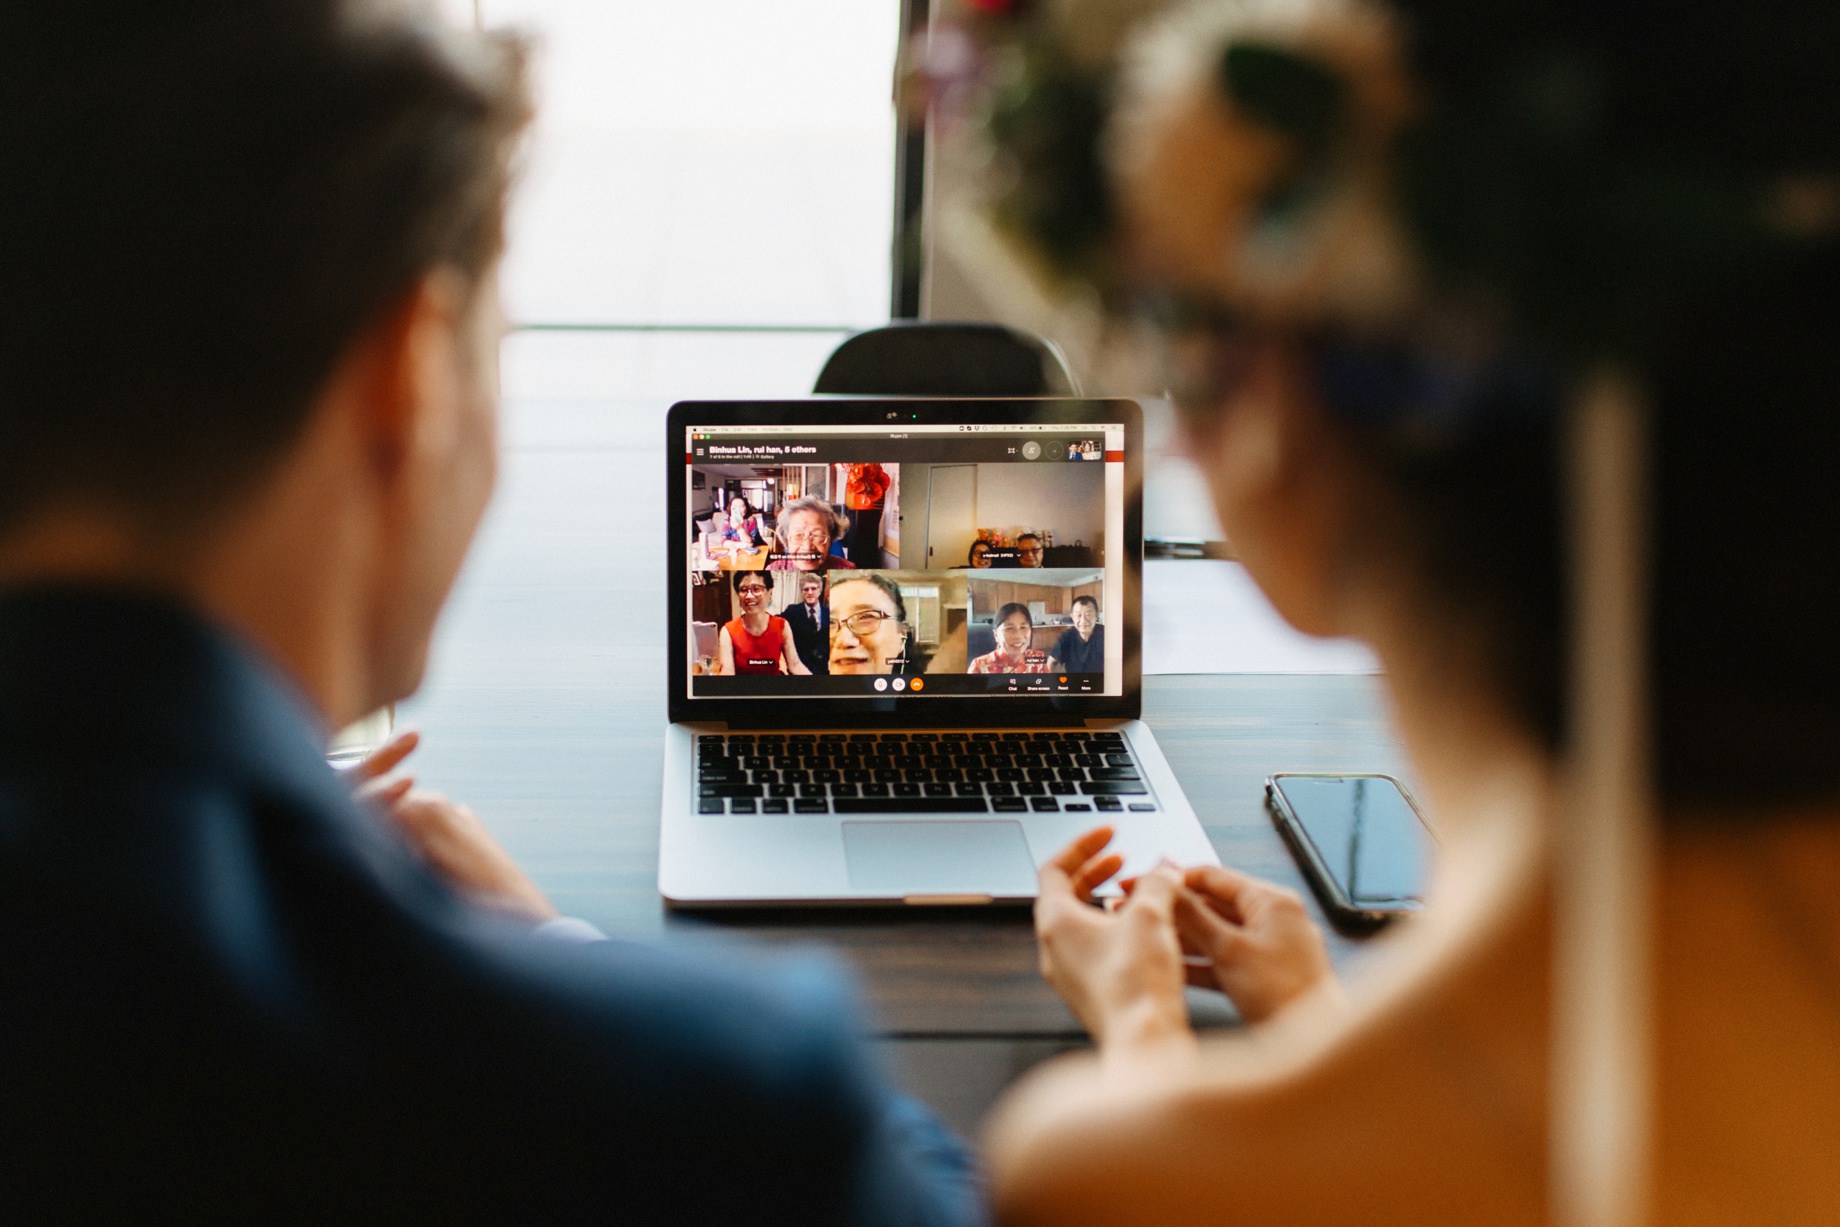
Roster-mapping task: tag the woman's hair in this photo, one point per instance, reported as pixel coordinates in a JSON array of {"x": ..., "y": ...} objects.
[
  {"x": 1730, "y": 332},
  {"x": 827, "y": 515},
  {"x": 972, "y": 553},
  {"x": 1480, "y": 207},
  {"x": 1013, "y": 607},
  {"x": 888, "y": 588},
  {"x": 916, "y": 658},
  {"x": 1744, "y": 584},
  {"x": 735, "y": 578}
]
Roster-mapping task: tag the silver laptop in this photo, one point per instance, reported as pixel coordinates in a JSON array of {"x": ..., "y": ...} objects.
[{"x": 904, "y": 653}]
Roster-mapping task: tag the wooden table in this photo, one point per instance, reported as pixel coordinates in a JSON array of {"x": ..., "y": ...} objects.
[
  {"x": 740, "y": 560},
  {"x": 544, "y": 710}
]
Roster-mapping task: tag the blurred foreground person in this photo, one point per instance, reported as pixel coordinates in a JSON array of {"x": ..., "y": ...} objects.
[
  {"x": 1384, "y": 253},
  {"x": 249, "y": 319}
]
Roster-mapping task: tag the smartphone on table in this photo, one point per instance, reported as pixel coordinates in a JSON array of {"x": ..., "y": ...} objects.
[{"x": 1359, "y": 840}]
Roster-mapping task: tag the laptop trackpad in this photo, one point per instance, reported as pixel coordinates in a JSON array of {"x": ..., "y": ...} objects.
[{"x": 939, "y": 858}]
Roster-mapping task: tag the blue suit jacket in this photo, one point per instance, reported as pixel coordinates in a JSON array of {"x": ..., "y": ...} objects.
[
  {"x": 810, "y": 638},
  {"x": 227, "y": 991}
]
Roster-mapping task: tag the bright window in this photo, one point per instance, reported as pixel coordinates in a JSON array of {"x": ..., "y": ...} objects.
[{"x": 710, "y": 170}]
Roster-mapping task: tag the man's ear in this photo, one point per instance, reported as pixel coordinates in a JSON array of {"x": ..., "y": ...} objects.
[{"x": 413, "y": 368}]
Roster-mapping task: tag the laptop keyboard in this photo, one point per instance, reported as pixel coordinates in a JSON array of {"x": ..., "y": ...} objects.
[{"x": 917, "y": 773}]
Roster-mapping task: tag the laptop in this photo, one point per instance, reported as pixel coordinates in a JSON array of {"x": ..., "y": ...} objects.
[{"x": 904, "y": 658}]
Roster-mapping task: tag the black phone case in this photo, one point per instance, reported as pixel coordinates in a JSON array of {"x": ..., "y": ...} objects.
[{"x": 1341, "y": 912}]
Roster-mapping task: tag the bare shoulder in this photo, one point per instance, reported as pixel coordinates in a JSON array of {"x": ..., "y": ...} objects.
[{"x": 1747, "y": 982}]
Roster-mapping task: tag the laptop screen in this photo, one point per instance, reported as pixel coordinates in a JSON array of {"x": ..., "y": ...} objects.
[{"x": 919, "y": 551}]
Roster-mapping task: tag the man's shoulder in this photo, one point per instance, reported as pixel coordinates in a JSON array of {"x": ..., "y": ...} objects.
[
  {"x": 311, "y": 977},
  {"x": 227, "y": 980}
]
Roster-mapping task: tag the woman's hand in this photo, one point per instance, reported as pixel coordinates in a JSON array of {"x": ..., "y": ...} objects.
[
  {"x": 1120, "y": 971},
  {"x": 1259, "y": 944},
  {"x": 446, "y": 834}
]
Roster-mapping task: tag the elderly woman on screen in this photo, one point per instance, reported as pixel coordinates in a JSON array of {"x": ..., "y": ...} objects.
[
  {"x": 803, "y": 536},
  {"x": 869, "y": 630}
]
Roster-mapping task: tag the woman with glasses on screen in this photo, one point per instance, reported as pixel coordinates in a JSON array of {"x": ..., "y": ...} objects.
[
  {"x": 869, "y": 630},
  {"x": 756, "y": 641}
]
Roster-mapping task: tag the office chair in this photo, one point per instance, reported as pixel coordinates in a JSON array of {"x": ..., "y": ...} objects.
[{"x": 929, "y": 358}]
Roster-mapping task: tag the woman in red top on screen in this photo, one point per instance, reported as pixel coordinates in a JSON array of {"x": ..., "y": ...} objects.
[
  {"x": 802, "y": 538},
  {"x": 757, "y": 641},
  {"x": 1014, "y": 628}
]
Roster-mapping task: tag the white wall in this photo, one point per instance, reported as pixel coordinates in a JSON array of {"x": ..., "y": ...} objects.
[{"x": 1067, "y": 498}]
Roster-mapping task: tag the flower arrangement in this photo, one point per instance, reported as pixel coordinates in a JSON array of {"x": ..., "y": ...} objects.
[{"x": 1412, "y": 190}]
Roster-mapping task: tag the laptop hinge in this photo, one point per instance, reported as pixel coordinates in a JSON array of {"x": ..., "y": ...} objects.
[{"x": 907, "y": 721}]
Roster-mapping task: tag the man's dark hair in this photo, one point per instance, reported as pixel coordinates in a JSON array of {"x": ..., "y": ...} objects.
[
  {"x": 1084, "y": 599},
  {"x": 205, "y": 202}
]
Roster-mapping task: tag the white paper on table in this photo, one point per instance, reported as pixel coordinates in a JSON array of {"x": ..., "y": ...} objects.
[{"x": 1205, "y": 616}]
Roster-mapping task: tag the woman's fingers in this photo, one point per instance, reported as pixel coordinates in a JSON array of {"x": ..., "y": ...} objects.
[
  {"x": 1061, "y": 875},
  {"x": 1095, "y": 873},
  {"x": 1069, "y": 859},
  {"x": 1227, "y": 891},
  {"x": 1201, "y": 975},
  {"x": 1156, "y": 897},
  {"x": 1268, "y": 956},
  {"x": 1203, "y": 929},
  {"x": 1066, "y": 868}
]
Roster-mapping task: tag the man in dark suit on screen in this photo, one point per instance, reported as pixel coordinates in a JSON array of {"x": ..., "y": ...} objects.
[
  {"x": 247, "y": 430},
  {"x": 809, "y": 621}
]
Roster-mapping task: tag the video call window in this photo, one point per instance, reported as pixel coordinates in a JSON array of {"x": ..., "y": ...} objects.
[
  {"x": 1051, "y": 622},
  {"x": 758, "y": 623},
  {"x": 814, "y": 625},
  {"x": 849, "y": 563},
  {"x": 799, "y": 517},
  {"x": 1002, "y": 516}
]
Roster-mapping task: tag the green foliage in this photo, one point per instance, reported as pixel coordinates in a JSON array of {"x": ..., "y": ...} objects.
[
  {"x": 1290, "y": 93},
  {"x": 1046, "y": 120}
]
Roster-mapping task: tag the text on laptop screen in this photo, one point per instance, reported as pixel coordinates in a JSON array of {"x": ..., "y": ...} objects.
[{"x": 937, "y": 560}]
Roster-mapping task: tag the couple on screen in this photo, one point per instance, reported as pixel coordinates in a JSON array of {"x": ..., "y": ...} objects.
[
  {"x": 229, "y": 519},
  {"x": 859, "y": 627}
]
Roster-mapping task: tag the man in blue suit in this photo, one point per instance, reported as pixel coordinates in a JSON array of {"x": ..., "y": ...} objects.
[
  {"x": 246, "y": 433},
  {"x": 809, "y": 620}
]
